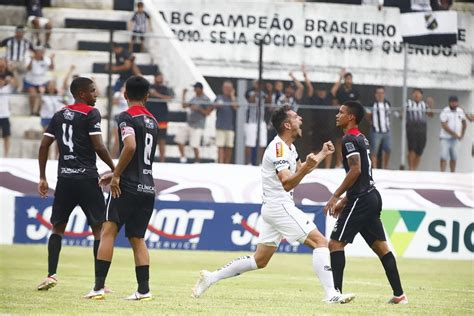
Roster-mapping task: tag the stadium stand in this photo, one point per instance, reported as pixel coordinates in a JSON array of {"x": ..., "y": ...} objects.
[{"x": 71, "y": 42}]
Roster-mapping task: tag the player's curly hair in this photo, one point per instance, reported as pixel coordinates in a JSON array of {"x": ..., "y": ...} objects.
[
  {"x": 356, "y": 109},
  {"x": 279, "y": 117}
]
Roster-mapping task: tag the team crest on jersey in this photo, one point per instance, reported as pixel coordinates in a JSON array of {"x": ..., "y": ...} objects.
[
  {"x": 350, "y": 147},
  {"x": 279, "y": 149},
  {"x": 149, "y": 122},
  {"x": 68, "y": 115}
]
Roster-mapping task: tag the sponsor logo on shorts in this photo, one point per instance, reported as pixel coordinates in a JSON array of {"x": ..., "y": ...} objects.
[{"x": 144, "y": 188}]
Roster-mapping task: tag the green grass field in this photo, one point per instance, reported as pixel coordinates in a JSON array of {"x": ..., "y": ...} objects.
[{"x": 288, "y": 286}]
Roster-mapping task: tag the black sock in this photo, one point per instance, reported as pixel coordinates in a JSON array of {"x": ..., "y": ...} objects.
[
  {"x": 101, "y": 270},
  {"x": 143, "y": 275},
  {"x": 390, "y": 265},
  {"x": 96, "y": 250},
  {"x": 338, "y": 263},
  {"x": 54, "y": 248}
]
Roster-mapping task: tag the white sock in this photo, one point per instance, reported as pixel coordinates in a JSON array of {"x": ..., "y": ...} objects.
[
  {"x": 234, "y": 268},
  {"x": 322, "y": 268}
]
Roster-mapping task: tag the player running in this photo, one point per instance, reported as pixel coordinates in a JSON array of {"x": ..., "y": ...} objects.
[
  {"x": 282, "y": 171},
  {"x": 132, "y": 190},
  {"x": 359, "y": 211},
  {"x": 76, "y": 128}
]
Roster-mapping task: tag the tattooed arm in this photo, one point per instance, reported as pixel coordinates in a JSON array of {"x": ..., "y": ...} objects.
[{"x": 349, "y": 180}]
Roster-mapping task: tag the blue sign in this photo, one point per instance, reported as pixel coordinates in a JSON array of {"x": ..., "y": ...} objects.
[{"x": 173, "y": 225}]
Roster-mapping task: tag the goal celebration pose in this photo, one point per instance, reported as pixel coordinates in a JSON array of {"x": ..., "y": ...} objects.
[{"x": 282, "y": 171}]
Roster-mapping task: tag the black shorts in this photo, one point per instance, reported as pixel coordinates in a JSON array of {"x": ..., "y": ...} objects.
[
  {"x": 416, "y": 138},
  {"x": 132, "y": 210},
  {"x": 138, "y": 35},
  {"x": 84, "y": 192},
  {"x": 361, "y": 215},
  {"x": 5, "y": 127}
]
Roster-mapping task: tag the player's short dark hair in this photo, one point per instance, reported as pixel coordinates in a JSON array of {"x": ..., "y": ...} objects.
[
  {"x": 348, "y": 74},
  {"x": 356, "y": 109},
  {"x": 379, "y": 87},
  {"x": 80, "y": 84},
  {"x": 140, "y": 4},
  {"x": 417, "y": 89},
  {"x": 136, "y": 88},
  {"x": 279, "y": 116}
]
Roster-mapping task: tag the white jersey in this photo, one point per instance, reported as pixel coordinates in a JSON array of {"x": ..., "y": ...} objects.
[
  {"x": 278, "y": 156},
  {"x": 50, "y": 105},
  {"x": 454, "y": 119},
  {"x": 5, "y": 92}
]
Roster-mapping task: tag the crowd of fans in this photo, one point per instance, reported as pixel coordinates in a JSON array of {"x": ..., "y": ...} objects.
[{"x": 26, "y": 65}]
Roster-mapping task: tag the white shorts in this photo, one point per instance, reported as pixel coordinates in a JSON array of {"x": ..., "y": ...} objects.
[
  {"x": 192, "y": 134},
  {"x": 251, "y": 134},
  {"x": 42, "y": 21},
  {"x": 284, "y": 220},
  {"x": 225, "y": 138}
]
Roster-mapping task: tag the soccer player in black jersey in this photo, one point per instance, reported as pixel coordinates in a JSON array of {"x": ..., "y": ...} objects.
[
  {"x": 132, "y": 190},
  {"x": 76, "y": 128},
  {"x": 359, "y": 210}
]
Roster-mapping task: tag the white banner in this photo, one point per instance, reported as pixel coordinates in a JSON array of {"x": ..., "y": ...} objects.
[
  {"x": 222, "y": 36},
  {"x": 425, "y": 214}
]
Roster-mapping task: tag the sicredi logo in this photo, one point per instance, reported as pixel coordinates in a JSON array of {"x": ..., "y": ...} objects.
[{"x": 401, "y": 227}]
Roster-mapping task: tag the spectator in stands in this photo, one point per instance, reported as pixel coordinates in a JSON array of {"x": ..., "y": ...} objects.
[
  {"x": 225, "y": 105},
  {"x": 437, "y": 5},
  {"x": 275, "y": 91},
  {"x": 119, "y": 104},
  {"x": 319, "y": 124},
  {"x": 123, "y": 65},
  {"x": 417, "y": 112},
  {"x": 343, "y": 89},
  {"x": 293, "y": 93},
  {"x": 15, "y": 53},
  {"x": 4, "y": 71},
  {"x": 379, "y": 115},
  {"x": 159, "y": 109},
  {"x": 51, "y": 102},
  {"x": 453, "y": 127},
  {"x": 7, "y": 86},
  {"x": 255, "y": 117},
  {"x": 36, "y": 77},
  {"x": 34, "y": 15},
  {"x": 68, "y": 98},
  {"x": 139, "y": 25},
  {"x": 200, "y": 107}
]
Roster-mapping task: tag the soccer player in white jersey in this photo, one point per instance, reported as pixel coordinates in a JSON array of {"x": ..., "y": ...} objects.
[{"x": 282, "y": 171}]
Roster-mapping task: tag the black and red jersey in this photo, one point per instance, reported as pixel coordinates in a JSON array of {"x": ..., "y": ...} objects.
[
  {"x": 138, "y": 122},
  {"x": 72, "y": 127},
  {"x": 355, "y": 143}
]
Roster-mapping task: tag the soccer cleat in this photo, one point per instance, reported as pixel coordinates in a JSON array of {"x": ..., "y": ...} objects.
[
  {"x": 339, "y": 298},
  {"x": 402, "y": 299},
  {"x": 137, "y": 296},
  {"x": 107, "y": 290},
  {"x": 202, "y": 284},
  {"x": 95, "y": 295},
  {"x": 48, "y": 283}
]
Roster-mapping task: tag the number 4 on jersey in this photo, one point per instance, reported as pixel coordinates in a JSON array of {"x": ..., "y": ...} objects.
[{"x": 67, "y": 137}]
